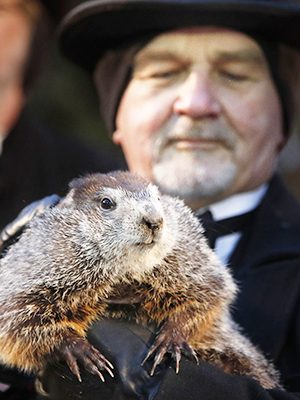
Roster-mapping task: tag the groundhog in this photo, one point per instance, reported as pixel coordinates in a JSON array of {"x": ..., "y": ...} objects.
[{"x": 116, "y": 238}]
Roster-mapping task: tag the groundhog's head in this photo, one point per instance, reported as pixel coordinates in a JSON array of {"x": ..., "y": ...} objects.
[{"x": 123, "y": 216}]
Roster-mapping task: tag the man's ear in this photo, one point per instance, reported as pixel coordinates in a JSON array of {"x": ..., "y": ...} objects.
[{"x": 117, "y": 137}]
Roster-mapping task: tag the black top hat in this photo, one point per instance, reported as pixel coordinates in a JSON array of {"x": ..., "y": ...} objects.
[
  {"x": 58, "y": 8},
  {"x": 96, "y": 26}
]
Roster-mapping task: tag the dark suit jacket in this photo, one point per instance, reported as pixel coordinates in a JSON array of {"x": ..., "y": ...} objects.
[
  {"x": 266, "y": 264},
  {"x": 37, "y": 162}
]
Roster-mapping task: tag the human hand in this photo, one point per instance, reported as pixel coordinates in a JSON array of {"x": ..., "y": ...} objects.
[{"x": 125, "y": 344}]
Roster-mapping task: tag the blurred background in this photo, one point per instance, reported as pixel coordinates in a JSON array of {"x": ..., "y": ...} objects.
[{"x": 65, "y": 97}]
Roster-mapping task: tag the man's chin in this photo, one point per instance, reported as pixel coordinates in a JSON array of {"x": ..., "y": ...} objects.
[{"x": 191, "y": 183}]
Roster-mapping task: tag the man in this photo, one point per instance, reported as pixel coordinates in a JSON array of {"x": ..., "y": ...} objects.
[{"x": 194, "y": 93}]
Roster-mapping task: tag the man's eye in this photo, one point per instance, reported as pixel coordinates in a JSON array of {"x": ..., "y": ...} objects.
[
  {"x": 233, "y": 77},
  {"x": 164, "y": 74}
]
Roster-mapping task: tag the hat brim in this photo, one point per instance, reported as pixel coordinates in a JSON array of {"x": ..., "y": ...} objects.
[{"x": 96, "y": 26}]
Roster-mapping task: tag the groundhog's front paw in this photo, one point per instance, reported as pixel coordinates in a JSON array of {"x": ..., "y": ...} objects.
[
  {"x": 79, "y": 349},
  {"x": 170, "y": 339}
]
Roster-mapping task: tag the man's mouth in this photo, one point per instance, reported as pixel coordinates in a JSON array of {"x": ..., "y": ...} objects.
[{"x": 194, "y": 143}]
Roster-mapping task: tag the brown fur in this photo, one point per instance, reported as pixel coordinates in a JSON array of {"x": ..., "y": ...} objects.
[{"x": 76, "y": 259}]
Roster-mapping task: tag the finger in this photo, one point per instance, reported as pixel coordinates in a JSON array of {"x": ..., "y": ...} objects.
[
  {"x": 100, "y": 375},
  {"x": 190, "y": 352},
  {"x": 92, "y": 369},
  {"x": 147, "y": 356},
  {"x": 158, "y": 357},
  {"x": 100, "y": 360},
  {"x": 177, "y": 355},
  {"x": 109, "y": 371},
  {"x": 158, "y": 342},
  {"x": 101, "y": 364},
  {"x": 89, "y": 365},
  {"x": 72, "y": 363}
]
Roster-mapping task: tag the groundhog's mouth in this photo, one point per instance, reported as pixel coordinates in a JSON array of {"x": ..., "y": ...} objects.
[{"x": 146, "y": 244}]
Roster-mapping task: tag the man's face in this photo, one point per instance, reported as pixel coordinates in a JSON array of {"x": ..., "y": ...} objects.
[{"x": 201, "y": 116}]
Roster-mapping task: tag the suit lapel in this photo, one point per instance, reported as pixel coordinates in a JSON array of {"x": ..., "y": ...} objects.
[{"x": 267, "y": 260}]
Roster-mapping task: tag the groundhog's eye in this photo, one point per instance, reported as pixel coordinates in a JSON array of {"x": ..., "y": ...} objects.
[{"x": 107, "y": 204}]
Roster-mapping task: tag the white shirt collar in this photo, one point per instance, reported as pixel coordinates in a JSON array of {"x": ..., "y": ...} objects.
[
  {"x": 238, "y": 204},
  {"x": 234, "y": 205}
]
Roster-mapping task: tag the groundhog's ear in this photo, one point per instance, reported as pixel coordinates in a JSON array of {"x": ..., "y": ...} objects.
[
  {"x": 68, "y": 201},
  {"x": 77, "y": 182}
]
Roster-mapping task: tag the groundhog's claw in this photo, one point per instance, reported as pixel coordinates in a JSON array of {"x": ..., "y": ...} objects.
[
  {"x": 81, "y": 350},
  {"x": 190, "y": 352},
  {"x": 170, "y": 339}
]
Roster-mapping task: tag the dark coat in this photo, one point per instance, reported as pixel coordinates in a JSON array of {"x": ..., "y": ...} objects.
[
  {"x": 266, "y": 264},
  {"x": 37, "y": 162}
]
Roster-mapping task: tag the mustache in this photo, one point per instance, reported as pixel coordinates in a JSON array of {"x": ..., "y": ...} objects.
[{"x": 169, "y": 135}]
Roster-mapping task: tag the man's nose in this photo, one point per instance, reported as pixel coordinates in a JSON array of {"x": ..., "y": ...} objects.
[{"x": 197, "y": 97}]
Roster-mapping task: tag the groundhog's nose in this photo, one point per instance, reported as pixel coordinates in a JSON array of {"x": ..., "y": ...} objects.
[
  {"x": 152, "y": 221},
  {"x": 153, "y": 224}
]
